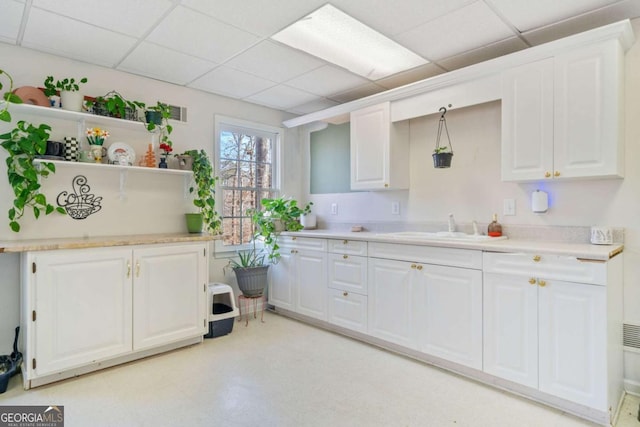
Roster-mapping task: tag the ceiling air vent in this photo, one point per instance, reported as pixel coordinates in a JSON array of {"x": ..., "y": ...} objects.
[
  {"x": 631, "y": 336},
  {"x": 178, "y": 113}
]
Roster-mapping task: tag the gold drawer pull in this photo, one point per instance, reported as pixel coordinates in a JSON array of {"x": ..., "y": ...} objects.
[
  {"x": 414, "y": 266},
  {"x": 532, "y": 281},
  {"x": 536, "y": 258},
  {"x": 542, "y": 283},
  {"x": 345, "y": 242},
  {"x": 345, "y": 256},
  {"x": 547, "y": 174},
  {"x": 128, "y": 269},
  {"x": 137, "y": 268},
  {"x": 556, "y": 174},
  {"x": 419, "y": 267},
  {"x": 345, "y": 293},
  {"x": 294, "y": 238}
]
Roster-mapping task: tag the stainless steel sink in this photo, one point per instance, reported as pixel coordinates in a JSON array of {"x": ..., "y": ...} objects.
[{"x": 440, "y": 235}]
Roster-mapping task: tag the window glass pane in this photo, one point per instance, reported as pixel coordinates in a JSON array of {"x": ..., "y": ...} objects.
[
  {"x": 247, "y": 232},
  {"x": 230, "y": 203},
  {"x": 249, "y": 201},
  {"x": 247, "y": 174},
  {"x": 263, "y": 175},
  {"x": 228, "y": 145},
  {"x": 231, "y": 233}
]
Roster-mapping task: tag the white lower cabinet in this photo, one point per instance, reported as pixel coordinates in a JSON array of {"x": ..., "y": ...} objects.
[
  {"x": 86, "y": 306},
  {"x": 347, "y": 282},
  {"x": 348, "y": 309},
  {"x": 298, "y": 282}
]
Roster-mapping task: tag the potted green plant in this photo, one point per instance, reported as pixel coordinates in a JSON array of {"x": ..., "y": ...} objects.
[
  {"x": 308, "y": 220},
  {"x": 9, "y": 98},
  {"x": 204, "y": 195},
  {"x": 115, "y": 105},
  {"x": 157, "y": 118},
  {"x": 23, "y": 144},
  {"x": 69, "y": 89},
  {"x": 251, "y": 272},
  {"x": 278, "y": 214},
  {"x": 442, "y": 157}
]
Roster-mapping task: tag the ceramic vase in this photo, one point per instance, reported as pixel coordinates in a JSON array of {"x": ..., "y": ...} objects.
[{"x": 71, "y": 101}]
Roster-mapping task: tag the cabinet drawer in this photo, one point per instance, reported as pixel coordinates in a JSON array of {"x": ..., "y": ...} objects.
[
  {"x": 348, "y": 273},
  {"x": 349, "y": 247},
  {"x": 427, "y": 254},
  {"x": 565, "y": 268},
  {"x": 303, "y": 243},
  {"x": 348, "y": 310}
]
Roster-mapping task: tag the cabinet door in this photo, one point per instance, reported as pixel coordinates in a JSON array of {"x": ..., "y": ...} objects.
[
  {"x": 311, "y": 283},
  {"x": 370, "y": 132},
  {"x": 527, "y": 121},
  {"x": 511, "y": 328},
  {"x": 588, "y": 112},
  {"x": 82, "y": 303},
  {"x": 169, "y": 295},
  {"x": 348, "y": 309},
  {"x": 449, "y": 313},
  {"x": 348, "y": 273},
  {"x": 390, "y": 301},
  {"x": 281, "y": 281},
  {"x": 573, "y": 319}
]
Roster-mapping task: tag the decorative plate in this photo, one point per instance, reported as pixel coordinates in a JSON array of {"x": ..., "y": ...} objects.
[{"x": 120, "y": 151}]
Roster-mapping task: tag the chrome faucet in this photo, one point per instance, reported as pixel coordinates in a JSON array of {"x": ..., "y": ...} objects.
[{"x": 452, "y": 224}]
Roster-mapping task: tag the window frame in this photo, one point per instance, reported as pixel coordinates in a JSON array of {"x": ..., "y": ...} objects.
[{"x": 221, "y": 123}]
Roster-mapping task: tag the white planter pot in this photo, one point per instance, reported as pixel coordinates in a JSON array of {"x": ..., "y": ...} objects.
[
  {"x": 308, "y": 221},
  {"x": 71, "y": 101}
]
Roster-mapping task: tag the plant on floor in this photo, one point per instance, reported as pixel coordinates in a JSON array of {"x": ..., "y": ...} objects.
[
  {"x": 9, "y": 98},
  {"x": 23, "y": 144}
]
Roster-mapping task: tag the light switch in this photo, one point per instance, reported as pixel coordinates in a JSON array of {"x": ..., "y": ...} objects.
[
  {"x": 509, "y": 207},
  {"x": 395, "y": 208},
  {"x": 334, "y": 209}
]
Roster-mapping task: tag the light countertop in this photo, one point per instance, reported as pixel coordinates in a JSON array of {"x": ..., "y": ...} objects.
[
  {"x": 578, "y": 250},
  {"x": 103, "y": 241}
]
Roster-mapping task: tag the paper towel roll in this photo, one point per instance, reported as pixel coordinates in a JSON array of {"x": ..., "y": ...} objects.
[{"x": 539, "y": 201}]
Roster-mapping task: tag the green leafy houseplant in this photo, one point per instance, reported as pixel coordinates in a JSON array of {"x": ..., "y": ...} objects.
[
  {"x": 23, "y": 143},
  {"x": 115, "y": 105},
  {"x": 9, "y": 97},
  {"x": 204, "y": 190},
  {"x": 161, "y": 123},
  {"x": 68, "y": 84}
]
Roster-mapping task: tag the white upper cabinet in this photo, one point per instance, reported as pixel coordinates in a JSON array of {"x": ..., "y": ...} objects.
[
  {"x": 379, "y": 150},
  {"x": 561, "y": 116}
]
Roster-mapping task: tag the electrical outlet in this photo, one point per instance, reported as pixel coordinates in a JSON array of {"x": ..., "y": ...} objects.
[
  {"x": 395, "y": 208},
  {"x": 509, "y": 207},
  {"x": 334, "y": 209}
]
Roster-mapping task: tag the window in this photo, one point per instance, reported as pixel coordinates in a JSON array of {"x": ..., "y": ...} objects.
[{"x": 247, "y": 155}]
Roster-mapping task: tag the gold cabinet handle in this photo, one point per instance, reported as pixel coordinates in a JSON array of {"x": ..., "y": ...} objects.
[
  {"x": 542, "y": 283},
  {"x": 293, "y": 238},
  {"x": 532, "y": 281},
  {"x": 128, "y": 269},
  {"x": 386, "y": 186},
  {"x": 556, "y": 174},
  {"x": 345, "y": 256},
  {"x": 345, "y": 242},
  {"x": 419, "y": 267},
  {"x": 547, "y": 174},
  {"x": 414, "y": 266},
  {"x": 536, "y": 258},
  {"x": 137, "y": 268},
  {"x": 345, "y": 293}
]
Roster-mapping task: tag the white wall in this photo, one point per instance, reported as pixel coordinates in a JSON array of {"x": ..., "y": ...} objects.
[
  {"x": 154, "y": 203},
  {"x": 472, "y": 188}
]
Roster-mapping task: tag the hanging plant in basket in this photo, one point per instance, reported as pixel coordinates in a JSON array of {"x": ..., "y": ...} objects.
[{"x": 442, "y": 154}]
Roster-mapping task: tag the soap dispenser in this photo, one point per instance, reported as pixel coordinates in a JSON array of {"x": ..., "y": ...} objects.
[{"x": 494, "y": 229}]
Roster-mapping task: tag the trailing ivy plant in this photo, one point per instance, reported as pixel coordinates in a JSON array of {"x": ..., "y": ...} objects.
[
  {"x": 23, "y": 143},
  {"x": 67, "y": 84},
  {"x": 204, "y": 190},
  {"x": 9, "y": 98},
  {"x": 164, "y": 127},
  {"x": 115, "y": 105}
]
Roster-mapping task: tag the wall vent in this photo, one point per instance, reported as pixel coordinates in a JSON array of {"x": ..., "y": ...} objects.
[
  {"x": 631, "y": 336},
  {"x": 178, "y": 113}
]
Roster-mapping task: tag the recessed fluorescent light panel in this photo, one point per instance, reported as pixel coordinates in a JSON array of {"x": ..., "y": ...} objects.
[{"x": 334, "y": 36}]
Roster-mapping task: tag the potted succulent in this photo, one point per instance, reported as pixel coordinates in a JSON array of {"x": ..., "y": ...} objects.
[
  {"x": 9, "y": 98},
  {"x": 69, "y": 89},
  {"x": 23, "y": 144},
  {"x": 204, "y": 195}
]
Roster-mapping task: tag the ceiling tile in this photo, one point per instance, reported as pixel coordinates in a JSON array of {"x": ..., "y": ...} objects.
[
  {"x": 395, "y": 17},
  {"x": 282, "y": 97},
  {"x": 527, "y": 14},
  {"x": 10, "y": 19},
  {"x": 356, "y": 93},
  {"x": 608, "y": 15},
  {"x": 132, "y": 17},
  {"x": 165, "y": 64},
  {"x": 485, "y": 53},
  {"x": 74, "y": 39},
  {"x": 261, "y": 17},
  {"x": 230, "y": 82},
  {"x": 199, "y": 35},
  {"x": 326, "y": 80},
  {"x": 274, "y": 61},
  {"x": 410, "y": 76},
  {"x": 464, "y": 29},
  {"x": 313, "y": 106}
]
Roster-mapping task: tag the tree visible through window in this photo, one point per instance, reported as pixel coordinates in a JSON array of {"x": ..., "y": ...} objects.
[{"x": 246, "y": 171}]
